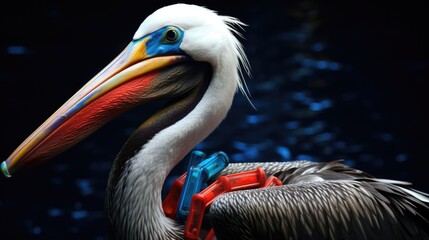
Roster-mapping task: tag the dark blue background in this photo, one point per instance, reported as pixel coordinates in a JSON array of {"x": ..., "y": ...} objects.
[{"x": 330, "y": 81}]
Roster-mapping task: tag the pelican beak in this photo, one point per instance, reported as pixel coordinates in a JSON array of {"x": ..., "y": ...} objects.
[{"x": 132, "y": 78}]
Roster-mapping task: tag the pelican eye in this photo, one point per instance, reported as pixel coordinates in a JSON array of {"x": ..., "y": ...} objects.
[{"x": 171, "y": 35}]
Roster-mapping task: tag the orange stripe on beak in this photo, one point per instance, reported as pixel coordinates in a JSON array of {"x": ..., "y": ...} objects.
[{"x": 119, "y": 86}]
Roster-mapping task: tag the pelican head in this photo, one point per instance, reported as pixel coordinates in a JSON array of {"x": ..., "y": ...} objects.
[{"x": 174, "y": 52}]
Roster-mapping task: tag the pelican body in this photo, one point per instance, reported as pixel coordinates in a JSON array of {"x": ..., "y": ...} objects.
[{"x": 188, "y": 56}]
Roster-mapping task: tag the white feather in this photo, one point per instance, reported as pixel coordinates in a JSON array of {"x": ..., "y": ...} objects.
[{"x": 210, "y": 38}]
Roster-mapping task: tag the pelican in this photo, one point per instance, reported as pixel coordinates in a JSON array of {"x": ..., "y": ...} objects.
[{"x": 189, "y": 57}]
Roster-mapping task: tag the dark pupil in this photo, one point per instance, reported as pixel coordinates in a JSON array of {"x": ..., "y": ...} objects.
[{"x": 171, "y": 35}]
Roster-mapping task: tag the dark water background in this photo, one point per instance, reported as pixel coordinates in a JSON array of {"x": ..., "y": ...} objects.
[{"x": 329, "y": 81}]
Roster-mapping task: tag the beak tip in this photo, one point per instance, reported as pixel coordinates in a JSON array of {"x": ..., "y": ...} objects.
[{"x": 4, "y": 170}]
